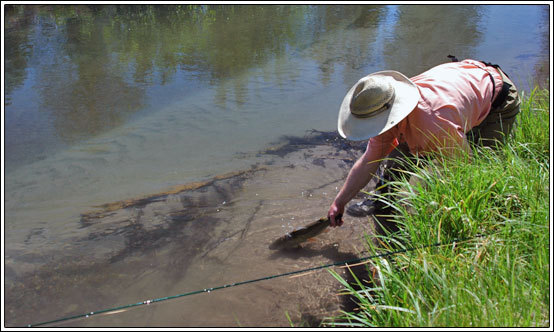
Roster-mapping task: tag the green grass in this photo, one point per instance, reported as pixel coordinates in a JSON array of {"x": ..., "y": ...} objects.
[{"x": 498, "y": 201}]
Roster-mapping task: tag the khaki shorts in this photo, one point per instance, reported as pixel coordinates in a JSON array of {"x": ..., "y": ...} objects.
[{"x": 498, "y": 124}]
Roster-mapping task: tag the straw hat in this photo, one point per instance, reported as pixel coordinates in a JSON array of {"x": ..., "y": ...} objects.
[{"x": 375, "y": 104}]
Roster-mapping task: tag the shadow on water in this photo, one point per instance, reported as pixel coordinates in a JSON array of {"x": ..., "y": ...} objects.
[{"x": 288, "y": 144}]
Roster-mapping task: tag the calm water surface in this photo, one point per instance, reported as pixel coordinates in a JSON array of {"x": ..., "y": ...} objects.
[{"x": 108, "y": 103}]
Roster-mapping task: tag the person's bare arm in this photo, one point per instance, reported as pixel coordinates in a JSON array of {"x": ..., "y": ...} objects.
[{"x": 358, "y": 177}]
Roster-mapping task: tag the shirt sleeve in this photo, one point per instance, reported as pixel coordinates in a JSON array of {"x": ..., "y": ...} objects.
[{"x": 379, "y": 147}]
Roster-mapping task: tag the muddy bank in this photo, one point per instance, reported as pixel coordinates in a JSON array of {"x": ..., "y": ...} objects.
[{"x": 201, "y": 235}]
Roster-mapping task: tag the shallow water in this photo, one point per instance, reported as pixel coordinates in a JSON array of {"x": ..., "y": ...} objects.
[
  {"x": 105, "y": 104},
  {"x": 204, "y": 235}
]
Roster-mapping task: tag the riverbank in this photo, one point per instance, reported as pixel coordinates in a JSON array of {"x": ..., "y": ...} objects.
[{"x": 491, "y": 217}]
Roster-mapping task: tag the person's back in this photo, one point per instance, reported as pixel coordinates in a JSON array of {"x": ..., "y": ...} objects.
[{"x": 454, "y": 98}]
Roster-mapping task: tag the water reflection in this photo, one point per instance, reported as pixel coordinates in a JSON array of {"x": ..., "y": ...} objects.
[
  {"x": 93, "y": 64},
  {"x": 351, "y": 45},
  {"x": 79, "y": 84},
  {"x": 542, "y": 68},
  {"x": 421, "y": 41},
  {"x": 16, "y": 46}
]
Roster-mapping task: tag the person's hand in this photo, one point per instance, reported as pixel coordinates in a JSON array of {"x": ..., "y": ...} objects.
[{"x": 335, "y": 214}]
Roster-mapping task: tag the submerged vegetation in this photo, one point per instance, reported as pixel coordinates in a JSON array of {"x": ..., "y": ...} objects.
[{"x": 481, "y": 230}]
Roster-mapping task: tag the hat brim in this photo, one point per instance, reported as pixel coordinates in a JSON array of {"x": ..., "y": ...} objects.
[{"x": 405, "y": 100}]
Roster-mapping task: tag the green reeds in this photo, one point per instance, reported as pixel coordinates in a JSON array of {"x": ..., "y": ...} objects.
[{"x": 498, "y": 201}]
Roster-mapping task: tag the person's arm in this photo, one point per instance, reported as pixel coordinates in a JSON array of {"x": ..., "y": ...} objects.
[{"x": 358, "y": 177}]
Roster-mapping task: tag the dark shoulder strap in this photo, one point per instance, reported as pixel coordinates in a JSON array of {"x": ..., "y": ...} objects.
[
  {"x": 488, "y": 64},
  {"x": 453, "y": 58},
  {"x": 505, "y": 86}
]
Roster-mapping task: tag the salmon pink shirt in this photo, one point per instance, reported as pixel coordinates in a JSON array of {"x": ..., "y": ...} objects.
[{"x": 454, "y": 98}]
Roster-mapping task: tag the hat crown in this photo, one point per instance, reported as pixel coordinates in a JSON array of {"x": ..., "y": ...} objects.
[{"x": 371, "y": 97}]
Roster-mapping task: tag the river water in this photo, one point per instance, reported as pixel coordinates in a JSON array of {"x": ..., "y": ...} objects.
[{"x": 120, "y": 121}]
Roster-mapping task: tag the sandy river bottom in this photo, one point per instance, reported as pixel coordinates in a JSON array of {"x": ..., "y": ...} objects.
[{"x": 204, "y": 235}]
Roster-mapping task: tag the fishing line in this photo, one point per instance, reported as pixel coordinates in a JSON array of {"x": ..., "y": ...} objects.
[{"x": 208, "y": 290}]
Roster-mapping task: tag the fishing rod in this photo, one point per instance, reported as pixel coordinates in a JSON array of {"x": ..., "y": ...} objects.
[{"x": 208, "y": 290}]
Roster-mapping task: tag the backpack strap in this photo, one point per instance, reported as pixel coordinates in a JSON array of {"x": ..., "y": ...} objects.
[
  {"x": 453, "y": 58},
  {"x": 505, "y": 86},
  {"x": 489, "y": 64},
  {"x": 502, "y": 94}
]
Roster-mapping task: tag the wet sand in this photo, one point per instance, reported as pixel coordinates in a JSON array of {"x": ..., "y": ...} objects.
[{"x": 203, "y": 235}]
